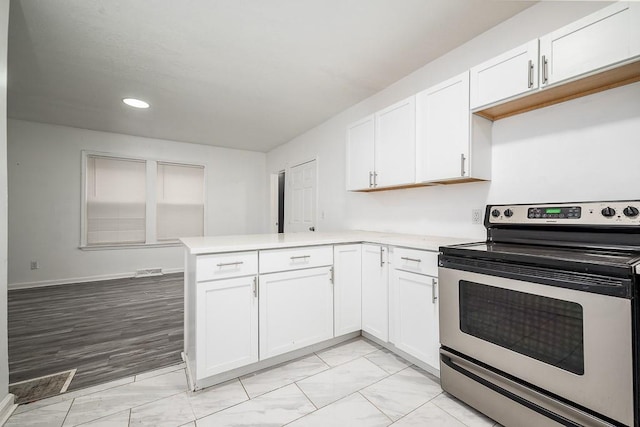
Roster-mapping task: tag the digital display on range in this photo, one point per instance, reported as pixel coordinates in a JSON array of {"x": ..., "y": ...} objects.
[{"x": 571, "y": 212}]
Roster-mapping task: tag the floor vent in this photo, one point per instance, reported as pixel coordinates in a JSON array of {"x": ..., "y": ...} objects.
[{"x": 149, "y": 272}]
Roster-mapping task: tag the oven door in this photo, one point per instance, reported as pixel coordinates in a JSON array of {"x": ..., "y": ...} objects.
[{"x": 574, "y": 344}]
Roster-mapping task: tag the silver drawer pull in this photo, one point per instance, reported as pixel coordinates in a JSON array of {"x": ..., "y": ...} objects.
[
  {"x": 300, "y": 257},
  {"x": 227, "y": 264},
  {"x": 411, "y": 259},
  {"x": 434, "y": 297}
]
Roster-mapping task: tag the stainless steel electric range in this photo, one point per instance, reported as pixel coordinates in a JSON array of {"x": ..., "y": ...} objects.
[{"x": 539, "y": 324}]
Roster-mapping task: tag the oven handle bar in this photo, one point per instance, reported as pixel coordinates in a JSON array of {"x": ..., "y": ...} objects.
[{"x": 466, "y": 367}]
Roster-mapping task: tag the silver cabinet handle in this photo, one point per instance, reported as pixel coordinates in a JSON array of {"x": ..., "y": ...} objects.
[
  {"x": 381, "y": 256},
  {"x": 255, "y": 286},
  {"x": 411, "y": 259},
  {"x": 370, "y": 179},
  {"x": 545, "y": 69},
  {"x": 462, "y": 159},
  {"x": 226, "y": 264},
  {"x": 332, "y": 277},
  {"x": 375, "y": 179},
  {"x": 434, "y": 283},
  {"x": 293, "y": 258},
  {"x": 530, "y": 70}
]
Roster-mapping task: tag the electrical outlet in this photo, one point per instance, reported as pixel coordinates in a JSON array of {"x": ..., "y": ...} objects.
[
  {"x": 476, "y": 216},
  {"x": 35, "y": 265}
]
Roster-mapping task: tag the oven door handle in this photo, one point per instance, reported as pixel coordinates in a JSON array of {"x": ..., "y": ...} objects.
[{"x": 515, "y": 391}]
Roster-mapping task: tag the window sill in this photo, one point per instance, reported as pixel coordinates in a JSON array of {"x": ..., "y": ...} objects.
[{"x": 170, "y": 244}]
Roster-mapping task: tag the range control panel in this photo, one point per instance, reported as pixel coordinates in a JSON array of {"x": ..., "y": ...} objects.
[{"x": 626, "y": 212}]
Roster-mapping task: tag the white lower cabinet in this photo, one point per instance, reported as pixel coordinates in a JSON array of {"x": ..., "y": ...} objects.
[
  {"x": 227, "y": 325},
  {"x": 375, "y": 291},
  {"x": 347, "y": 291},
  {"x": 414, "y": 315},
  {"x": 296, "y": 310}
]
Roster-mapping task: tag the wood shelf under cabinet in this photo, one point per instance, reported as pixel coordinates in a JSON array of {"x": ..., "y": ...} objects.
[
  {"x": 604, "y": 80},
  {"x": 422, "y": 184}
]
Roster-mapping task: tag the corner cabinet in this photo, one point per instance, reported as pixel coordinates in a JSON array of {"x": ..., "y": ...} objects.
[
  {"x": 599, "y": 40},
  {"x": 381, "y": 149},
  {"x": 375, "y": 291},
  {"x": 451, "y": 144},
  {"x": 347, "y": 292}
]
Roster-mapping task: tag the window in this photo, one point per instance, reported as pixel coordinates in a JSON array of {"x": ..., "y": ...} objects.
[
  {"x": 130, "y": 202},
  {"x": 180, "y": 201}
]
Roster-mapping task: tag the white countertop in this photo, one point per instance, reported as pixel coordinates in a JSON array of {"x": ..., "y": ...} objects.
[{"x": 249, "y": 242}]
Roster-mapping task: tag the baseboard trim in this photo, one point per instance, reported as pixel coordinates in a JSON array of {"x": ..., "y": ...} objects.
[
  {"x": 7, "y": 406},
  {"x": 43, "y": 283}
]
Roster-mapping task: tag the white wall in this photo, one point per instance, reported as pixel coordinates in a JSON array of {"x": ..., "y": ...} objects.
[
  {"x": 44, "y": 200},
  {"x": 4, "y": 355},
  {"x": 579, "y": 150}
]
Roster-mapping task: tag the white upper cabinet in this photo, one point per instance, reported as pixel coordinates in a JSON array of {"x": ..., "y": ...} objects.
[
  {"x": 360, "y": 154},
  {"x": 604, "y": 38},
  {"x": 449, "y": 144},
  {"x": 395, "y": 144},
  {"x": 513, "y": 73}
]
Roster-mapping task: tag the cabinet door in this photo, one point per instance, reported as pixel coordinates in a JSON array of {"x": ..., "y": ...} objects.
[
  {"x": 414, "y": 315},
  {"x": 512, "y": 73},
  {"x": 375, "y": 291},
  {"x": 396, "y": 144},
  {"x": 360, "y": 157},
  {"x": 347, "y": 294},
  {"x": 296, "y": 310},
  {"x": 443, "y": 130},
  {"x": 227, "y": 325},
  {"x": 601, "y": 39}
]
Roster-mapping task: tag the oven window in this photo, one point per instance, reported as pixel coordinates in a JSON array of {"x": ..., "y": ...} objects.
[{"x": 546, "y": 329}]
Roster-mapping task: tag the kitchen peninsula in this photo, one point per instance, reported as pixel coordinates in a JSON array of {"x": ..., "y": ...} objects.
[{"x": 254, "y": 301}]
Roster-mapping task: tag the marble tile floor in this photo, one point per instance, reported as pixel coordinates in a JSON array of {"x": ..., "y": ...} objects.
[{"x": 356, "y": 383}]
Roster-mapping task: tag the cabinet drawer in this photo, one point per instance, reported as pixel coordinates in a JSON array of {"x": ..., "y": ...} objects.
[
  {"x": 416, "y": 261},
  {"x": 295, "y": 258},
  {"x": 222, "y": 266}
]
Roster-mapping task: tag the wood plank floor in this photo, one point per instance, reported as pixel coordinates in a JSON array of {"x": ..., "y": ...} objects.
[{"x": 106, "y": 330}]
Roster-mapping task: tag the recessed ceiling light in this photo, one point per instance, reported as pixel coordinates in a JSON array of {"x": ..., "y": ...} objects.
[{"x": 135, "y": 103}]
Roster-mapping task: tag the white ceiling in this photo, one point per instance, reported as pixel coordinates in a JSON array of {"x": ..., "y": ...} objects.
[{"x": 249, "y": 74}]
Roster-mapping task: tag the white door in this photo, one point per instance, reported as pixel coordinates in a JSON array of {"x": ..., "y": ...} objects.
[
  {"x": 510, "y": 74},
  {"x": 375, "y": 291},
  {"x": 414, "y": 316},
  {"x": 443, "y": 130},
  {"x": 360, "y": 157},
  {"x": 601, "y": 39},
  {"x": 395, "y": 144},
  {"x": 227, "y": 325},
  {"x": 302, "y": 193},
  {"x": 296, "y": 310},
  {"x": 347, "y": 265}
]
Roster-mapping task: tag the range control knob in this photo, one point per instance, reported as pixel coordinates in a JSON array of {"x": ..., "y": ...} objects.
[
  {"x": 495, "y": 213},
  {"x": 608, "y": 212},
  {"x": 630, "y": 211},
  {"x": 508, "y": 213}
]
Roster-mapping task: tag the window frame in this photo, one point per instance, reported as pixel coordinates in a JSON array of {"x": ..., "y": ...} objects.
[{"x": 151, "y": 165}]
